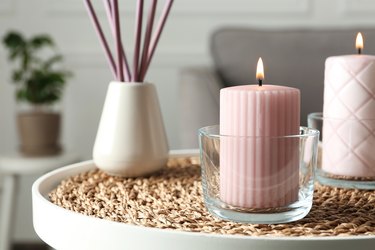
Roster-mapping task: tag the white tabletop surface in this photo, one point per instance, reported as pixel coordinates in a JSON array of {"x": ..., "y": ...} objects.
[{"x": 16, "y": 163}]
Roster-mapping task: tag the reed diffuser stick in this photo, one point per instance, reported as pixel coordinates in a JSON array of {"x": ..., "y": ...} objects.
[
  {"x": 120, "y": 72},
  {"x": 138, "y": 34},
  {"x": 146, "y": 42},
  {"x": 155, "y": 38},
  {"x": 120, "y": 67},
  {"x": 108, "y": 9},
  {"x": 100, "y": 33}
]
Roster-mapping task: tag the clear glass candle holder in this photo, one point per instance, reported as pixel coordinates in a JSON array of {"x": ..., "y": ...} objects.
[
  {"x": 346, "y": 155},
  {"x": 261, "y": 179}
]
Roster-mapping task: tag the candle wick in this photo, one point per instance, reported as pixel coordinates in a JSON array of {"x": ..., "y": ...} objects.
[
  {"x": 260, "y": 82},
  {"x": 359, "y": 51}
]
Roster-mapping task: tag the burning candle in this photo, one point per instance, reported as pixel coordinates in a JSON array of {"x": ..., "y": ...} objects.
[
  {"x": 259, "y": 168},
  {"x": 349, "y": 113},
  {"x": 359, "y": 43}
]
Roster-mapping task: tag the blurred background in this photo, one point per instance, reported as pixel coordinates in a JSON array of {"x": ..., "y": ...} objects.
[{"x": 184, "y": 42}]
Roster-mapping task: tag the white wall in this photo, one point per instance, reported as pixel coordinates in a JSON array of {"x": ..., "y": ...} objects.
[{"x": 184, "y": 42}]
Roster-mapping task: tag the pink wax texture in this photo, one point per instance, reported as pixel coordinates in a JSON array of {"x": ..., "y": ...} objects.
[
  {"x": 349, "y": 116},
  {"x": 259, "y": 168}
]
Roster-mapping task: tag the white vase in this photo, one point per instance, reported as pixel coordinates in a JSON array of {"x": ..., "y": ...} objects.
[{"x": 131, "y": 139}]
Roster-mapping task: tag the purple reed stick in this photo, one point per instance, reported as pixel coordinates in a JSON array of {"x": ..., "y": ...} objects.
[
  {"x": 155, "y": 38},
  {"x": 108, "y": 8},
  {"x": 100, "y": 33},
  {"x": 120, "y": 72},
  {"x": 146, "y": 43},
  {"x": 138, "y": 33}
]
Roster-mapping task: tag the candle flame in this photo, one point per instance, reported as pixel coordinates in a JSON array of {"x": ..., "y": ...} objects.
[
  {"x": 260, "y": 70},
  {"x": 359, "y": 41}
]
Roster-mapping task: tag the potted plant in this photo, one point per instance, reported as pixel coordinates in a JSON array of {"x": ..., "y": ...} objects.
[{"x": 39, "y": 83}]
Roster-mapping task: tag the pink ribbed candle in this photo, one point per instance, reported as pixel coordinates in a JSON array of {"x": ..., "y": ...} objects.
[
  {"x": 349, "y": 116},
  {"x": 258, "y": 169}
]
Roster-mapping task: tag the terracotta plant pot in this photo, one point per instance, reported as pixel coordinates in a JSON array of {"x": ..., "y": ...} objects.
[{"x": 39, "y": 133}]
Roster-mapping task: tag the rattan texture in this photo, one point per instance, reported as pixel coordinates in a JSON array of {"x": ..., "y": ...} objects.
[{"x": 172, "y": 199}]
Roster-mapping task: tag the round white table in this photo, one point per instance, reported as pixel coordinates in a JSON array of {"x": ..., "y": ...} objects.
[
  {"x": 64, "y": 229},
  {"x": 12, "y": 167}
]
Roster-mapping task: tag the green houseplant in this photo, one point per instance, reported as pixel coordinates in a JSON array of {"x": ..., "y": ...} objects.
[{"x": 39, "y": 82}]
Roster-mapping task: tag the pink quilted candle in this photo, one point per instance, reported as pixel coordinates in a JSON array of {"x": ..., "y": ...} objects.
[
  {"x": 349, "y": 116},
  {"x": 258, "y": 169}
]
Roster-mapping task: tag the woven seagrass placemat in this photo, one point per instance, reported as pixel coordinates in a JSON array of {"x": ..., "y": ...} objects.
[{"x": 173, "y": 199}]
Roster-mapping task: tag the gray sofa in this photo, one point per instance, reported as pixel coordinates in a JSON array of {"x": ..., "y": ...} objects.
[{"x": 291, "y": 57}]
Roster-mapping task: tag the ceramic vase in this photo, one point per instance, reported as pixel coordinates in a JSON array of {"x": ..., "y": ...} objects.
[{"x": 131, "y": 139}]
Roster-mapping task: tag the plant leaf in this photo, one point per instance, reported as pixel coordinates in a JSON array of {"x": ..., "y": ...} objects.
[
  {"x": 21, "y": 95},
  {"x": 52, "y": 60},
  {"x": 15, "y": 43},
  {"x": 14, "y": 40},
  {"x": 45, "y": 86},
  {"x": 25, "y": 60},
  {"x": 40, "y": 41},
  {"x": 17, "y": 75}
]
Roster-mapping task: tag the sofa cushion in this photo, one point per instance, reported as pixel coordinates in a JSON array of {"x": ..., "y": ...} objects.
[{"x": 291, "y": 57}]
